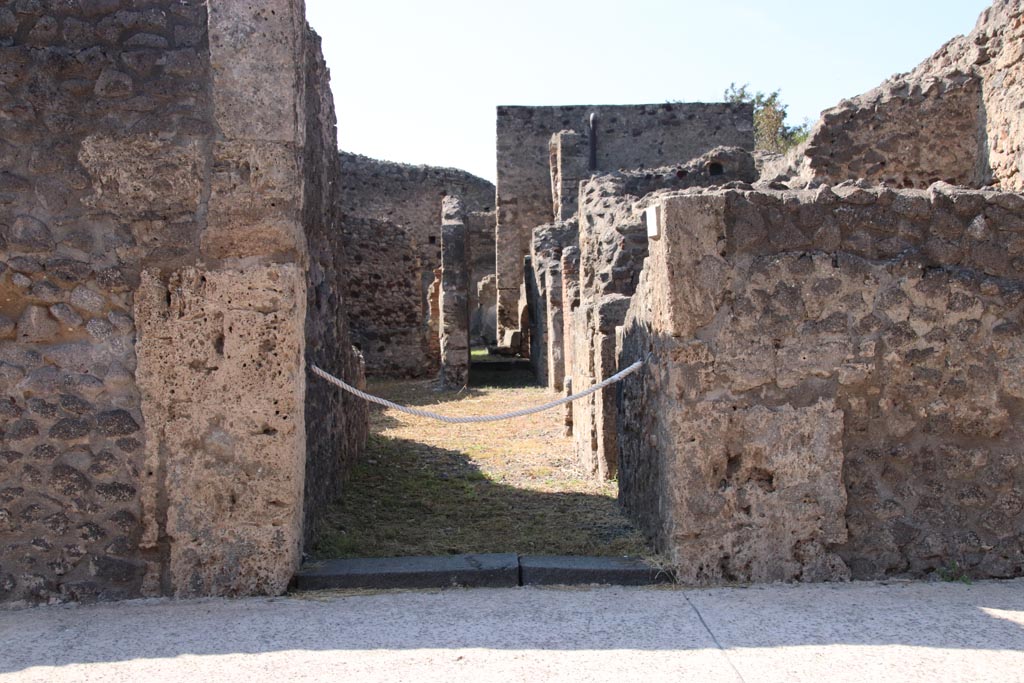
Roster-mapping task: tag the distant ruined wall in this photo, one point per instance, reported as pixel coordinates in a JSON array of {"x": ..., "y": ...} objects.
[
  {"x": 409, "y": 196},
  {"x": 153, "y": 208},
  {"x": 384, "y": 309},
  {"x": 409, "y": 199},
  {"x": 956, "y": 117},
  {"x": 836, "y": 383},
  {"x": 625, "y": 137}
]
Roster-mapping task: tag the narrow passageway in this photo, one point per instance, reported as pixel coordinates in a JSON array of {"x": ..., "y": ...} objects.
[{"x": 429, "y": 488}]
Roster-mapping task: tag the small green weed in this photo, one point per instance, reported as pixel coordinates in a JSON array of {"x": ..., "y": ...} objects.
[{"x": 953, "y": 572}]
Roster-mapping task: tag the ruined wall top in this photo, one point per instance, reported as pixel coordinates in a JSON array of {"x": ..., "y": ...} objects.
[
  {"x": 409, "y": 196},
  {"x": 621, "y": 137},
  {"x": 955, "y": 117}
]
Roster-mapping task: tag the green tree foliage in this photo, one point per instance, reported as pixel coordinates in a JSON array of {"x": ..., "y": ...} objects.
[{"x": 771, "y": 133}]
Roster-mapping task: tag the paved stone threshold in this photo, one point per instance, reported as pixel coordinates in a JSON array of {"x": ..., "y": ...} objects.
[{"x": 491, "y": 570}]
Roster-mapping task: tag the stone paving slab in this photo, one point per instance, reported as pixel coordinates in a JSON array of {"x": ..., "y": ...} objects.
[
  {"x": 491, "y": 570},
  {"x": 838, "y": 633},
  {"x": 569, "y": 570}
]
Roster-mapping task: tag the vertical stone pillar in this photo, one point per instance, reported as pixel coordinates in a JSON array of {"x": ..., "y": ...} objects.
[
  {"x": 434, "y": 320},
  {"x": 454, "y": 328},
  {"x": 221, "y": 350},
  {"x": 570, "y": 267},
  {"x": 534, "y": 300},
  {"x": 555, "y": 339},
  {"x": 569, "y": 165},
  {"x": 508, "y": 267}
]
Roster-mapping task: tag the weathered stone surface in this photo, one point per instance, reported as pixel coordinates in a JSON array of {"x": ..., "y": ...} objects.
[
  {"x": 546, "y": 349},
  {"x": 624, "y": 137},
  {"x": 391, "y": 222},
  {"x": 116, "y": 423},
  {"x": 30, "y": 234},
  {"x": 480, "y": 255},
  {"x": 410, "y": 197},
  {"x": 613, "y": 245},
  {"x": 453, "y": 327},
  {"x": 88, "y": 300},
  {"x": 336, "y": 421},
  {"x": 254, "y": 202},
  {"x": 897, "y": 373},
  {"x": 135, "y": 174},
  {"x": 483, "y": 318},
  {"x": 385, "y": 306},
  {"x": 223, "y": 389},
  {"x": 70, "y": 428},
  {"x": 955, "y": 118},
  {"x": 36, "y": 325},
  {"x": 111, "y": 167}
]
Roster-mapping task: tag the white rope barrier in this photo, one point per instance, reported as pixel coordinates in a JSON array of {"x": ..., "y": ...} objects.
[{"x": 474, "y": 418}]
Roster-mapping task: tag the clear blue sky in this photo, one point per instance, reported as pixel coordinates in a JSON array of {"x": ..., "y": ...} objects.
[{"x": 418, "y": 81}]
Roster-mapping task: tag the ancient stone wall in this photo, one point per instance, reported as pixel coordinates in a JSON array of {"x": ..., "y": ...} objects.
[
  {"x": 623, "y": 137},
  {"x": 480, "y": 245},
  {"x": 409, "y": 196},
  {"x": 569, "y": 165},
  {"x": 836, "y": 384},
  {"x": 546, "y": 332},
  {"x": 80, "y": 218},
  {"x": 999, "y": 37},
  {"x": 154, "y": 250},
  {"x": 483, "y": 322},
  {"x": 336, "y": 421},
  {"x": 956, "y": 117},
  {"x": 385, "y": 311},
  {"x": 570, "y": 268},
  {"x": 613, "y": 246},
  {"x": 454, "y": 298},
  {"x": 409, "y": 199}
]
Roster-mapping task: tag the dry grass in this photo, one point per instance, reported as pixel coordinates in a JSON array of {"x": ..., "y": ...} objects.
[{"x": 429, "y": 488}]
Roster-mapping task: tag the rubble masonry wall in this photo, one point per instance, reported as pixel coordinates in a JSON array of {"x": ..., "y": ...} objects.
[
  {"x": 836, "y": 389},
  {"x": 626, "y": 137},
  {"x": 405, "y": 198},
  {"x": 955, "y": 118},
  {"x": 154, "y": 194},
  {"x": 612, "y": 247}
]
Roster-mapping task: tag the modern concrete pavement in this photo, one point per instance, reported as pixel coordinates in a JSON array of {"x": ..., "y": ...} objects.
[{"x": 828, "y": 632}]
